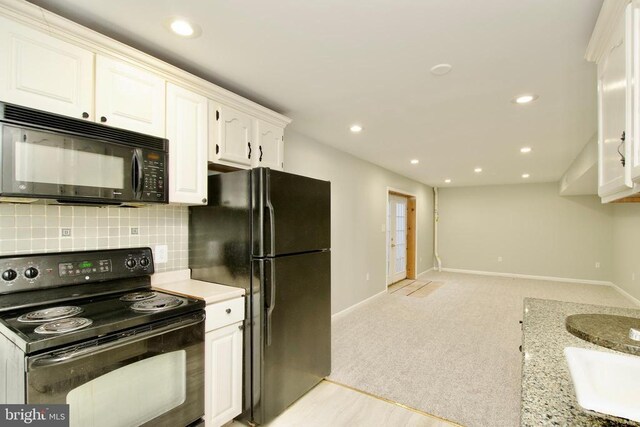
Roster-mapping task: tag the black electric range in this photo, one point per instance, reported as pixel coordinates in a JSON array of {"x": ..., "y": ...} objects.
[{"x": 53, "y": 300}]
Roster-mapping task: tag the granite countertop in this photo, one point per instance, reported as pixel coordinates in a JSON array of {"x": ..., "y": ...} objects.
[
  {"x": 180, "y": 283},
  {"x": 548, "y": 397}
]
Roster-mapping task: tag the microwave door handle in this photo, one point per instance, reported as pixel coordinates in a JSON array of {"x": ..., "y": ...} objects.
[{"x": 137, "y": 174}]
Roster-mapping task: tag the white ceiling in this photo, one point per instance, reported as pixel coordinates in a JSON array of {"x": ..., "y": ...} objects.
[{"x": 330, "y": 63}]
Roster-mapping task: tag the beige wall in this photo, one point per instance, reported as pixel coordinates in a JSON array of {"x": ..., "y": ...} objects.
[
  {"x": 626, "y": 238},
  {"x": 358, "y": 213},
  {"x": 534, "y": 230}
]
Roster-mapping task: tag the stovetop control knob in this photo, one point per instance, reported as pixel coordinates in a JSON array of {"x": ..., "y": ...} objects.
[
  {"x": 144, "y": 261},
  {"x": 130, "y": 262},
  {"x": 9, "y": 275},
  {"x": 31, "y": 273}
]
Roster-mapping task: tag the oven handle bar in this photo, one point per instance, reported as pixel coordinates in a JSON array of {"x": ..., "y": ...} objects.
[{"x": 127, "y": 338}]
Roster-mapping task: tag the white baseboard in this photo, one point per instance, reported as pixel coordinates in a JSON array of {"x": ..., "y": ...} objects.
[
  {"x": 425, "y": 272},
  {"x": 356, "y": 305},
  {"x": 633, "y": 299},
  {"x": 529, "y": 276}
]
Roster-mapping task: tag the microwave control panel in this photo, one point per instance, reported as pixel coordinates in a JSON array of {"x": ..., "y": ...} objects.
[{"x": 154, "y": 168}]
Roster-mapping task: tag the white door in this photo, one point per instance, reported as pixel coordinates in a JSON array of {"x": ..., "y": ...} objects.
[
  {"x": 234, "y": 145},
  {"x": 129, "y": 97},
  {"x": 223, "y": 375},
  {"x": 397, "y": 239},
  {"x": 612, "y": 85},
  {"x": 187, "y": 134},
  {"x": 45, "y": 73},
  {"x": 270, "y": 141}
]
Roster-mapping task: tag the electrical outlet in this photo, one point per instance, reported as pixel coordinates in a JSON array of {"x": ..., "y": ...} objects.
[
  {"x": 597, "y": 265},
  {"x": 161, "y": 254},
  {"x": 65, "y": 232},
  {"x": 134, "y": 231},
  {"x": 499, "y": 259}
]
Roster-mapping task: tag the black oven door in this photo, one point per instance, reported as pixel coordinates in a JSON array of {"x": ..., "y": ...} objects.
[
  {"x": 43, "y": 164},
  {"x": 151, "y": 377}
]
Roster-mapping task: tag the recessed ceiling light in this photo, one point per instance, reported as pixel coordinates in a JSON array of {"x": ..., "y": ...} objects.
[
  {"x": 415, "y": 161},
  {"x": 524, "y": 99},
  {"x": 525, "y": 175},
  {"x": 441, "y": 69},
  {"x": 356, "y": 128},
  {"x": 448, "y": 181},
  {"x": 477, "y": 170},
  {"x": 183, "y": 27},
  {"x": 525, "y": 150}
]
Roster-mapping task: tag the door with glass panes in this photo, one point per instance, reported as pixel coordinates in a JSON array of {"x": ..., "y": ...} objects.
[{"x": 396, "y": 239}]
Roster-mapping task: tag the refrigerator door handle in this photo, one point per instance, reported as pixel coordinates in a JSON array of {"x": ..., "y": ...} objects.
[
  {"x": 269, "y": 217},
  {"x": 272, "y": 300}
]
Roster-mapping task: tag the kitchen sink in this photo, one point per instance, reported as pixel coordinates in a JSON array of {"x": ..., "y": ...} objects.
[{"x": 605, "y": 382}]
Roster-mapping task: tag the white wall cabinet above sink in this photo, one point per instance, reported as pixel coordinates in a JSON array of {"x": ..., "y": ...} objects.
[
  {"x": 129, "y": 97},
  {"x": 42, "y": 72},
  {"x": 615, "y": 47}
]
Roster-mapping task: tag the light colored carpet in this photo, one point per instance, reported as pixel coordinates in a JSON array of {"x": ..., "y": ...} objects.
[{"x": 453, "y": 353}]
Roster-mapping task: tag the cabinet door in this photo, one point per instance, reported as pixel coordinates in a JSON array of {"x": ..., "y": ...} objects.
[
  {"x": 43, "y": 72},
  {"x": 269, "y": 142},
  {"x": 233, "y": 145},
  {"x": 633, "y": 89},
  {"x": 223, "y": 375},
  {"x": 612, "y": 79},
  {"x": 187, "y": 134},
  {"x": 129, "y": 97}
]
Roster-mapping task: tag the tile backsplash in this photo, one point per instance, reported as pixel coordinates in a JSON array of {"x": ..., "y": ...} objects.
[{"x": 50, "y": 228}]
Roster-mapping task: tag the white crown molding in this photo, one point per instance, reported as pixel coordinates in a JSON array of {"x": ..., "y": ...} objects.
[
  {"x": 610, "y": 14},
  {"x": 62, "y": 28}
]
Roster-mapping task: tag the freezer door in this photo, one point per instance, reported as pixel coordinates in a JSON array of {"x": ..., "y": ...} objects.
[
  {"x": 295, "y": 343},
  {"x": 220, "y": 233},
  {"x": 292, "y": 213}
]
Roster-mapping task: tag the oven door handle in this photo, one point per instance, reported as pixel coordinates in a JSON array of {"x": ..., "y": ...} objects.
[{"x": 125, "y": 338}]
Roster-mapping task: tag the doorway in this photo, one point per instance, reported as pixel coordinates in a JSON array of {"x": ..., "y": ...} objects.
[{"x": 401, "y": 237}]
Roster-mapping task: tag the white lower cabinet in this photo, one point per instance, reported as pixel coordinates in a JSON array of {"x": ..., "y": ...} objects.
[{"x": 223, "y": 362}]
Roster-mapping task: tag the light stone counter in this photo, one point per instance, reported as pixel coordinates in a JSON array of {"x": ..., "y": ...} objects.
[
  {"x": 548, "y": 397},
  {"x": 180, "y": 283}
]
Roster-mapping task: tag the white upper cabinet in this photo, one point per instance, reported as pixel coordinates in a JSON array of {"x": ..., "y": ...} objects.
[
  {"x": 187, "y": 135},
  {"x": 231, "y": 138},
  {"x": 612, "y": 104},
  {"x": 270, "y": 145},
  {"x": 633, "y": 90},
  {"x": 43, "y": 72},
  {"x": 129, "y": 97}
]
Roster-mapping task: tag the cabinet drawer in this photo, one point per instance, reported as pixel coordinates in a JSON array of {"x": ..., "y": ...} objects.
[{"x": 224, "y": 313}]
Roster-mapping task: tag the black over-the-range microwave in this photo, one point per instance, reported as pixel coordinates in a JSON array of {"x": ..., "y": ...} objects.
[{"x": 61, "y": 159}]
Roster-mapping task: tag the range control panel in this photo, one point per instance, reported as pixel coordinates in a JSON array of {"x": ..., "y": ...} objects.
[{"x": 40, "y": 271}]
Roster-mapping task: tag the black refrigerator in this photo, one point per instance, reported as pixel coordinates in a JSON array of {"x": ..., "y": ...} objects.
[{"x": 269, "y": 232}]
